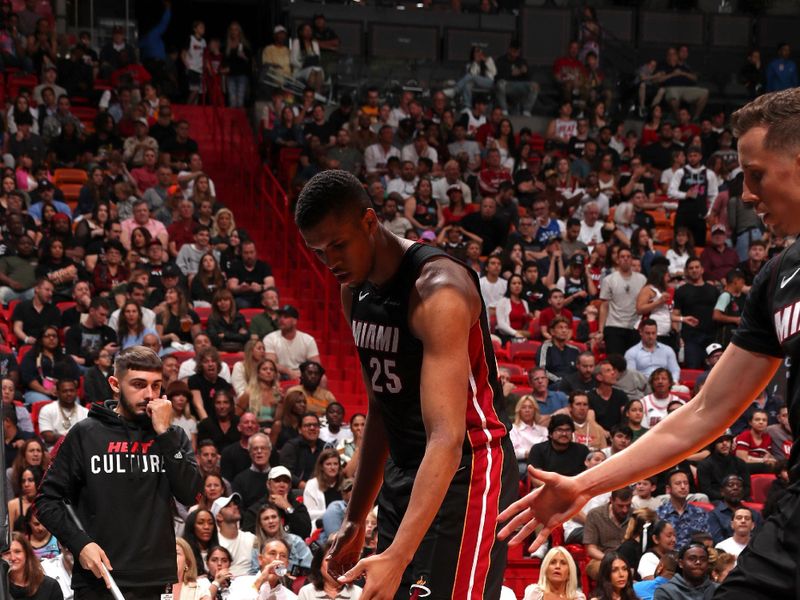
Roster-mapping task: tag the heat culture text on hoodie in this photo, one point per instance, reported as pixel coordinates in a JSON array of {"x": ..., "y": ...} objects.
[{"x": 120, "y": 477}]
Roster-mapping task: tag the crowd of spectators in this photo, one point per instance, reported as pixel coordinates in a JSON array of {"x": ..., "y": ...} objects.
[{"x": 613, "y": 263}]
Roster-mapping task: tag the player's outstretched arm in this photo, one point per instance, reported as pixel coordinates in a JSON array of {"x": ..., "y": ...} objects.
[
  {"x": 442, "y": 321},
  {"x": 732, "y": 385}
]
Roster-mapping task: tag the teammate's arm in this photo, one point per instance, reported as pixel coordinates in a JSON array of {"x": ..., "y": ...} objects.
[{"x": 732, "y": 385}]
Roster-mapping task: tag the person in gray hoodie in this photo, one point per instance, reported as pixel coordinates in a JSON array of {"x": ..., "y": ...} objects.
[{"x": 693, "y": 581}]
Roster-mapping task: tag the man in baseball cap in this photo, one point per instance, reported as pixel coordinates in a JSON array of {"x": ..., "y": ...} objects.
[
  {"x": 227, "y": 512},
  {"x": 279, "y": 488},
  {"x": 289, "y": 347}
]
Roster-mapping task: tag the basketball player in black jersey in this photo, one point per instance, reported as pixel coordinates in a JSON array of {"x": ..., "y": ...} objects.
[
  {"x": 769, "y": 152},
  {"x": 435, "y": 451}
]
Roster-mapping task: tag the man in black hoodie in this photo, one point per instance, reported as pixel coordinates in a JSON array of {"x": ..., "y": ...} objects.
[{"x": 120, "y": 469}]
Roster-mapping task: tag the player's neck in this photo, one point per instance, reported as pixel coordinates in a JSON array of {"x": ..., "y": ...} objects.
[{"x": 389, "y": 252}]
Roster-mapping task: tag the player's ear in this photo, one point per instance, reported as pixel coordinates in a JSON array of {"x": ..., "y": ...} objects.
[{"x": 370, "y": 219}]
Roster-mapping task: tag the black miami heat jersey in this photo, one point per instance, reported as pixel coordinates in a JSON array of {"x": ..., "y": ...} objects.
[
  {"x": 771, "y": 325},
  {"x": 392, "y": 358},
  {"x": 460, "y": 556}
]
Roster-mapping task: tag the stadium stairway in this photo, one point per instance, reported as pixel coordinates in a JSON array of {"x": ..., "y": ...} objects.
[{"x": 231, "y": 158}]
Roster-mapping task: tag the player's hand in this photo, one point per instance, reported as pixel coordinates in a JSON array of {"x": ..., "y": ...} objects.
[
  {"x": 93, "y": 558},
  {"x": 160, "y": 412},
  {"x": 382, "y": 574},
  {"x": 346, "y": 549},
  {"x": 549, "y": 505},
  {"x": 691, "y": 321}
]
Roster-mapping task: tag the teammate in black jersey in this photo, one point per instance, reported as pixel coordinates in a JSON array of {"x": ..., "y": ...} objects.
[
  {"x": 769, "y": 152},
  {"x": 436, "y": 442}
]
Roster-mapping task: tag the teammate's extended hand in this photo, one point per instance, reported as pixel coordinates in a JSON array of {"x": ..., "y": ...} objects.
[
  {"x": 93, "y": 558},
  {"x": 346, "y": 549},
  {"x": 382, "y": 574},
  {"x": 549, "y": 505}
]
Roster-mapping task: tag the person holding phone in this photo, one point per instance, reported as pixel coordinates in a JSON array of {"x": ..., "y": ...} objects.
[{"x": 119, "y": 470}]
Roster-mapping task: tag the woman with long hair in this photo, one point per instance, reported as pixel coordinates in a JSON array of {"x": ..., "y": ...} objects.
[
  {"x": 512, "y": 259},
  {"x": 90, "y": 231},
  {"x": 567, "y": 184},
  {"x": 226, "y": 326},
  {"x": 224, "y": 225},
  {"x": 350, "y": 450},
  {"x": 632, "y": 416},
  {"x": 26, "y": 577},
  {"x": 130, "y": 327},
  {"x": 140, "y": 239},
  {"x": 650, "y": 129},
  {"x": 263, "y": 393},
  {"x": 481, "y": 72},
  {"x": 558, "y": 578},
  {"x": 614, "y": 580},
  {"x": 43, "y": 364},
  {"x": 422, "y": 209},
  {"x": 323, "y": 487},
  {"x": 201, "y": 192},
  {"x": 219, "y": 572},
  {"x": 270, "y": 526},
  {"x": 660, "y": 541},
  {"x": 642, "y": 248},
  {"x": 213, "y": 488},
  {"x": 58, "y": 268},
  {"x": 112, "y": 270},
  {"x": 505, "y": 142},
  {"x": 200, "y": 533},
  {"x": 681, "y": 249},
  {"x": 288, "y": 416},
  {"x": 321, "y": 584},
  {"x": 456, "y": 209},
  {"x": 655, "y": 302},
  {"x": 634, "y": 541},
  {"x": 94, "y": 191},
  {"x": 525, "y": 432},
  {"x": 246, "y": 368},
  {"x": 44, "y": 543},
  {"x": 608, "y": 177},
  {"x": 208, "y": 281},
  {"x": 179, "y": 394},
  {"x": 512, "y": 311},
  {"x": 239, "y": 60},
  {"x": 306, "y": 58},
  {"x": 28, "y": 484},
  {"x": 188, "y": 586},
  {"x": 232, "y": 253},
  {"x": 178, "y": 323},
  {"x": 31, "y": 453}
]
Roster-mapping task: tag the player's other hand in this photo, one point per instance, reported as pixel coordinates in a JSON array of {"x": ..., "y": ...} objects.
[
  {"x": 549, "y": 505},
  {"x": 346, "y": 549},
  {"x": 93, "y": 558},
  {"x": 382, "y": 573}
]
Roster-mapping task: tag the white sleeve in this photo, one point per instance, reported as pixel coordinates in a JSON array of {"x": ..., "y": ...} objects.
[
  {"x": 237, "y": 378},
  {"x": 713, "y": 187},
  {"x": 502, "y": 310},
  {"x": 674, "y": 185},
  {"x": 314, "y": 500},
  {"x": 561, "y": 283},
  {"x": 311, "y": 346},
  {"x": 647, "y": 565},
  {"x": 225, "y": 372},
  {"x": 187, "y": 369},
  {"x": 294, "y": 58},
  {"x": 47, "y": 418},
  {"x": 370, "y": 160},
  {"x": 269, "y": 344}
]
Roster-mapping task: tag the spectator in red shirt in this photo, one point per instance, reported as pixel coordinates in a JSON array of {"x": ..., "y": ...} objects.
[
  {"x": 569, "y": 71},
  {"x": 753, "y": 444},
  {"x": 146, "y": 175},
  {"x": 493, "y": 174},
  {"x": 687, "y": 128},
  {"x": 555, "y": 309},
  {"x": 182, "y": 229},
  {"x": 718, "y": 259}
]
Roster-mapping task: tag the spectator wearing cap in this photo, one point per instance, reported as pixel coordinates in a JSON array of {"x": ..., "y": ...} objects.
[
  {"x": 249, "y": 277},
  {"x": 277, "y": 55},
  {"x": 236, "y": 457},
  {"x": 712, "y": 471},
  {"x": 577, "y": 284},
  {"x": 318, "y": 398},
  {"x": 559, "y": 454},
  {"x": 112, "y": 272},
  {"x": 289, "y": 347},
  {"x": 695, "y": 188},
  {"x": 278, "y": 492},
  {"x": 240, "y": 544},
  {"x": 25, "y": 142},
  {"x": 719, "y": 519},
  {"x": 728, "y": 309},
  {"x": 300, "y": 454},
  {"x": 718, "y": 258},
  {"x": 46, "y": 191},
  {"x": 134, "y": 147},
  {"x": 444, "y": 186},
  {"x": 251, "y": 481}
]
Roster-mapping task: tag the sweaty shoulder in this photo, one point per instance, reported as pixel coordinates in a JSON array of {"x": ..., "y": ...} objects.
[
  {"x": 757, "y": 329},
  {"x": 443, "y": 278}
]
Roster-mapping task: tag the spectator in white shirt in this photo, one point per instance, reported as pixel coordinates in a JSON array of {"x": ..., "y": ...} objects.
[
  {"x": 419, "y": 148},
  {"x": 189, "y": 366},
  {"x": 406, "y": 184},
  {"x": 525, "y": 433},
  {"x": 591, "y": 226},
  {"x": 742, "y": 524},
  {"x": 57, "y": 418},
  {"x": 493, "y": 287},
  {"x": 239, "y": 543},
  {"x": 289, "y": 347},
  {"x": 377, "y": 155}
]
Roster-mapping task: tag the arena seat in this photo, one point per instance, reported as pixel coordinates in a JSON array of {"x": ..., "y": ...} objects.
[
  {"x": 78, "y": 176},
  {"x": 36, "y": 408},
  {"x": 759, "y": 486},
  {"x": 706, "y": 506},
  {"x": 517, "y": 373}
]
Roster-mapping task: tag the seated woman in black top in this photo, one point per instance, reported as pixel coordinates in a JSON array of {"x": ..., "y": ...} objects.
[
  {"x": 59, "y": 269},
  {"x": 26, "y": 577},
  {"x": 90, "y": 231},
  {"x": 178, "y": 323},
  {"x": 226, "y": 326},
  {"x": 206, "y": 382},
  {"x": 208, "y": 280},
  {"x": 221, "y": 427},
  {"x": 43, "y": 365}
]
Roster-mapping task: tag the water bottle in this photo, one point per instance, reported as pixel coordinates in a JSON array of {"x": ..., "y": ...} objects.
[{"x": 281, "y": 570}]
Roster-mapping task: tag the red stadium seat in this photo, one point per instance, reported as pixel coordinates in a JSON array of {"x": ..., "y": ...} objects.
[
  {"x": 22, "y": 351},
  {"x": 36, "y": 408},
  {"x": 706, "y": 506},
  {"x": 759, "y": 486},
  {"x": 70, "y": 176}
]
